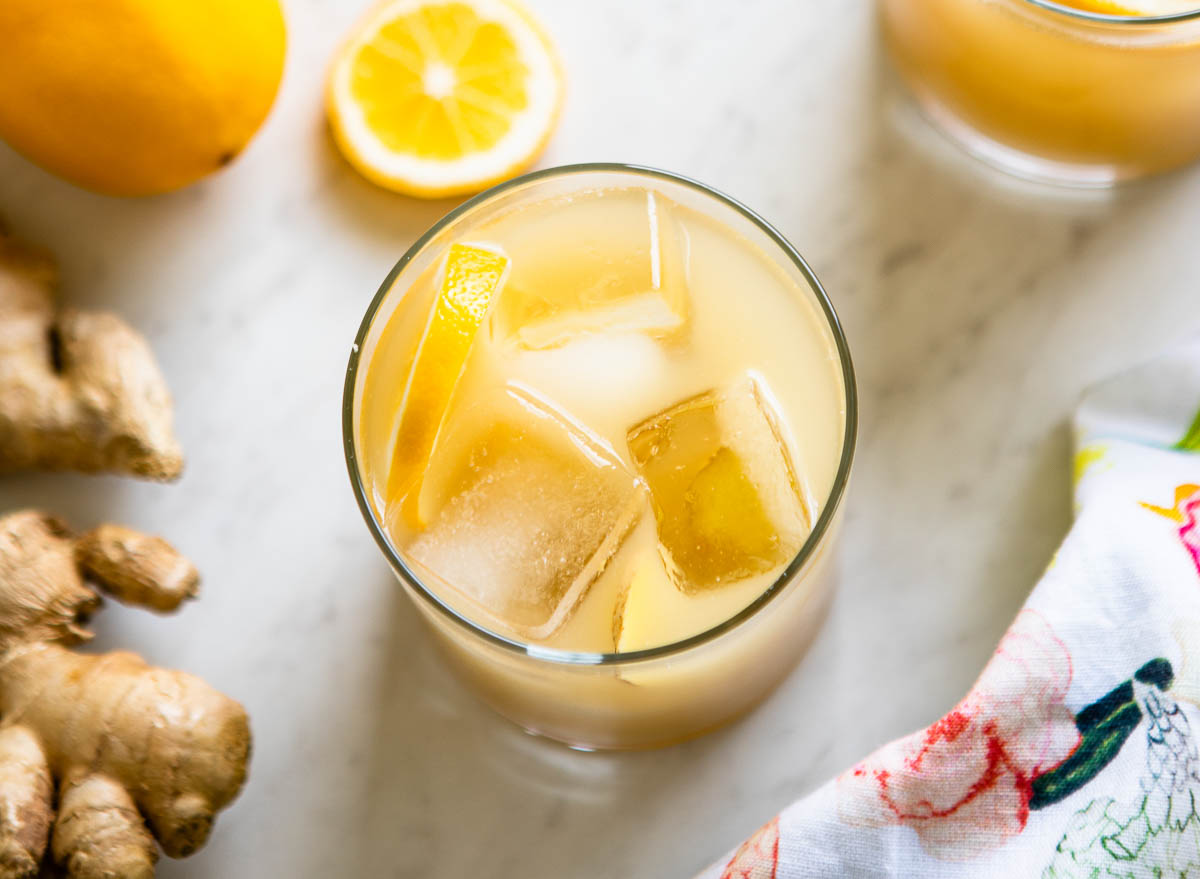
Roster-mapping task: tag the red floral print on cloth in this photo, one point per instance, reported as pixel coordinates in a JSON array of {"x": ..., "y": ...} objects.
[
  {"x": 1186, "y": 513},
  {"x": 758, "y": 856},
  {"x": 965, "y": 783},
  {"x": 1189, "y": 531}
]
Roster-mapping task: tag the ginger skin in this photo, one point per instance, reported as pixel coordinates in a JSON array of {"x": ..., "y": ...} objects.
[
  {"x": 78, "y": 390},
  {"x": 135, "y": 753}
]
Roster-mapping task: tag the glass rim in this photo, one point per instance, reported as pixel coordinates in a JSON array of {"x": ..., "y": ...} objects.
[
  {"x": 591, "y": 658},
  {"x": 1113, "y": 18}
]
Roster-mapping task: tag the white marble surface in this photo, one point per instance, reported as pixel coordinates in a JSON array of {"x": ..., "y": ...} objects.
[{"x": 977, "y": 311}]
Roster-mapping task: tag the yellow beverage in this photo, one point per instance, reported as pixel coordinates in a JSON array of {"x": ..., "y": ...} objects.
[
  {"x": 1087, "y": 93},
  {"x": 626, "y": 516}
]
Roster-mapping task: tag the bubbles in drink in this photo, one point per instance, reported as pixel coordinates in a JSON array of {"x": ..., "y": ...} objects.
[
  {"x": 528, "y": 508},
  {"x": 625, "y": 269},
  {"x": 726, "y": 497}
]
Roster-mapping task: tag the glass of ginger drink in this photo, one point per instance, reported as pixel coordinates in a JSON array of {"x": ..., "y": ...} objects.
[
  {"x": 600, "y": 420},
  {"x": 1078, "y": 92}
]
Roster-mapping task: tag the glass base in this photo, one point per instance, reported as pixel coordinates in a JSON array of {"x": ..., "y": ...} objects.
[
  {"x": 642, "y": 745},
  {"x": 1015, "y": 162}
]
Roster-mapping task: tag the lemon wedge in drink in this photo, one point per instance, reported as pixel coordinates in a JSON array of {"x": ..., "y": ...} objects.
[
  {"x": 443, "y": 98},
  {"x": 473, "y": 277}
]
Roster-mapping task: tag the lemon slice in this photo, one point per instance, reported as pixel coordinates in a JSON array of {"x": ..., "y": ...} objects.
[
  {"x": 1133, "y": 7},
  {"x": 444, "y": 98},
  {"x": 473, "y": 278}
]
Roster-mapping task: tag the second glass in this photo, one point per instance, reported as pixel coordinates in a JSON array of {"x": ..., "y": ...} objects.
[{"x": 1050, "y": 92}]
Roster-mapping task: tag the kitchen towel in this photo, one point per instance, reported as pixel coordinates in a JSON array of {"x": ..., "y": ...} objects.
[{"x": 1077, "y": 751}]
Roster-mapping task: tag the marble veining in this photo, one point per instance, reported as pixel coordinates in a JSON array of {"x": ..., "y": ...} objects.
[{"x": 977, "y": 310}]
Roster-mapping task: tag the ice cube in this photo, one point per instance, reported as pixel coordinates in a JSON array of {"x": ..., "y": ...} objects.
[
  {"x": 726, "y": 497},
  {"x": 606, "y": 377},
  {"x": 528, "y": 508},
  {"x": 620, "y": 265}
]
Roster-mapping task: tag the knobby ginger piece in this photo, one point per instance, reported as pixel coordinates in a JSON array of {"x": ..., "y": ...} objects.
[
  {"x": 78, "y": 390},
  {"x": 101, "y": 755}
]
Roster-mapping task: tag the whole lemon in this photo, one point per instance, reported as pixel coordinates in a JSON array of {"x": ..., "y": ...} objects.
[{"x": 134, "y": 97}]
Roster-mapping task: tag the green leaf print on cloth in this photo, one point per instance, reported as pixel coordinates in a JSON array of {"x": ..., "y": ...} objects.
[
  {"x": 1191, "y": 439},
  {"x": 1154, "y": 832},
  {"x": 1103, "y": 728}
]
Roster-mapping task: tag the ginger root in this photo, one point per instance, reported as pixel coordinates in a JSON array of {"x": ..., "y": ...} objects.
[
  {"x": 100, "y": 755},
  {"x": 78, "y": 390}
]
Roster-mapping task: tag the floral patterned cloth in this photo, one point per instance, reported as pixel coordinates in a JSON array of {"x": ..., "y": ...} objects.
[{"x": 1077, "y": 752}]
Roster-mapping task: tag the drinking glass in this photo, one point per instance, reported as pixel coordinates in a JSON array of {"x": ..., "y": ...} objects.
[
  {"x": 636, "y": 699},
  {"x": 1053, "y": 93}
]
